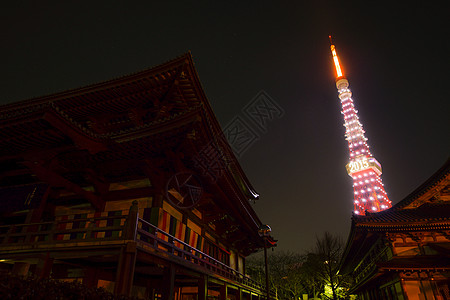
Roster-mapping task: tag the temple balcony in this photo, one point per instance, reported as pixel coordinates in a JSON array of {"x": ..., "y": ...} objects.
[{"x": 122, "y": 253}]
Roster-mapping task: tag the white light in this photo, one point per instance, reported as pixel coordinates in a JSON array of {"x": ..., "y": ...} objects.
[
  {"x": 374, "y": 208},
  {"x": 356, "y": 212}
]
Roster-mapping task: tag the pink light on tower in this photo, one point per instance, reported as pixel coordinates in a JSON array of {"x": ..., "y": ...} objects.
[{"x": 368, "y": 189}]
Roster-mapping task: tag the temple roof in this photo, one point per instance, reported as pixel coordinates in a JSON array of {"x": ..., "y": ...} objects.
[
  {"x": 427, "y": 205},
  {"x": 118, "y": 111},
  {"x": 437, "y": 262},
  {"x": 429, "y": 214},
  {"x": 133, "y": 117},
  {"x": 426, "y": 209}
]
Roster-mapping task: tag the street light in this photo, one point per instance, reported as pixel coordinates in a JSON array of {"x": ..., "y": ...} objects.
[{"x": 264, "y": 232}]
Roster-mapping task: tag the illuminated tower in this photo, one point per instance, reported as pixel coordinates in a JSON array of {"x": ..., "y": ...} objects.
[{"x": 369, "y": 193}]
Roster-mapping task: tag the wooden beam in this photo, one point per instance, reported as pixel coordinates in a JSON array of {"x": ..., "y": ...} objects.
[
  {"x": 81, "y": 140},
  {"x": 210, "y": 217},
  {"x": 237, "y": 213},
  {"x": 13, "y": 173},
  {"x": 114, "y": 165},
  {"x": 164, "y": 105},
  {"x": 100, "y": 184},
  {"x": 129, "y": 194},
  {"x": 57, "y": 180},
  {"x": 20, "y": 268}
]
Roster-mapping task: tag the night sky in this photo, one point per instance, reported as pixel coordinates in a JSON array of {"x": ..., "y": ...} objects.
[{"x": 395, "y": 58}]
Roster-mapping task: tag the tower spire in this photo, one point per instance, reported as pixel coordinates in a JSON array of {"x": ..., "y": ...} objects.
[
  {"x": 337, "y": 65},
  {"x": 368, "y": 189}
]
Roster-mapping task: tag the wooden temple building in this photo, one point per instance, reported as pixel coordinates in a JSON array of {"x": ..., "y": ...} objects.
[
  {"x": 128, "y": 185},
  {"x": 404, "y": 252}
]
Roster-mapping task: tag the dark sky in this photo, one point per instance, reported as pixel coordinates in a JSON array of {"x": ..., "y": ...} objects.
[{"x": 395, "y": 57}]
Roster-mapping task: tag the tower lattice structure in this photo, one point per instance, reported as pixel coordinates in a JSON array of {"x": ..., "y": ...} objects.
[{"x": 368, "y": 189}]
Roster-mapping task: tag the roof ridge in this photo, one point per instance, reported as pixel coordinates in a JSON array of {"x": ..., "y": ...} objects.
[
  {"x": 43, "y": 99},
  {"x": 424, "y": 187}
]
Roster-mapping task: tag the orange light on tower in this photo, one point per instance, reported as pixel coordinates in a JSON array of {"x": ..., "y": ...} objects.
[{"x": 336, "y": 60}]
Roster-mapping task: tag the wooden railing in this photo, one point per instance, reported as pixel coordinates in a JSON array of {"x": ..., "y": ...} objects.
[
  {"x": 150, "y": 235},
  {"x": 64, "y": 231},
  {"x": 115, "y": 228}
]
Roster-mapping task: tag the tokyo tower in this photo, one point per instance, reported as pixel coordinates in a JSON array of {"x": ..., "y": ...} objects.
[{"x": 369, "y": 193}]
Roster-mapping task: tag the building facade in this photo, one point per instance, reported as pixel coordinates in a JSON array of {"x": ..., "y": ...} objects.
[
  {"x": 404, "y": 252},
  {"x": 127, "y": 185}
]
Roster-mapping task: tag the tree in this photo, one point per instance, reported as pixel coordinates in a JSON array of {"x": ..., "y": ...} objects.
[
  {"x": 312, "y": 280},
  {"x": 323, "y": 265},
  {"x": 285, "y": 275},
  {"x": 293, "y": 274}
]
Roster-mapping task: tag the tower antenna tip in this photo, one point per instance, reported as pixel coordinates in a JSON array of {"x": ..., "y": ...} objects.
[{"x": 331, "y": 42}]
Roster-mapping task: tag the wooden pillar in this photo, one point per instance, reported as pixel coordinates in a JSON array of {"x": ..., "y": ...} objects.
[
  {"x": 127, "y": 258},
  {"x": 35, "y": 215},
  {"x": 224, "y": 292},
  {"x": 125, "y": 270},
  {"x": 203, "y": 287},
  {"x": 150, "y": 293},
  {"x": 129, "y": 231},
  {"x": 157, "y": 178},
  {"x": 158, "y": 199},
  {"x": 44, "y": 266},
  {"x": 239, "y": 294},
  {"x": 168, "y": 282},
  {"x": 244, "y": 295},
  {"x": 21, "y": 268},
  {"x": 157, "y": 203},
  {"x": 90, "y": 277},
  {"x": 426, "y": 288}
]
